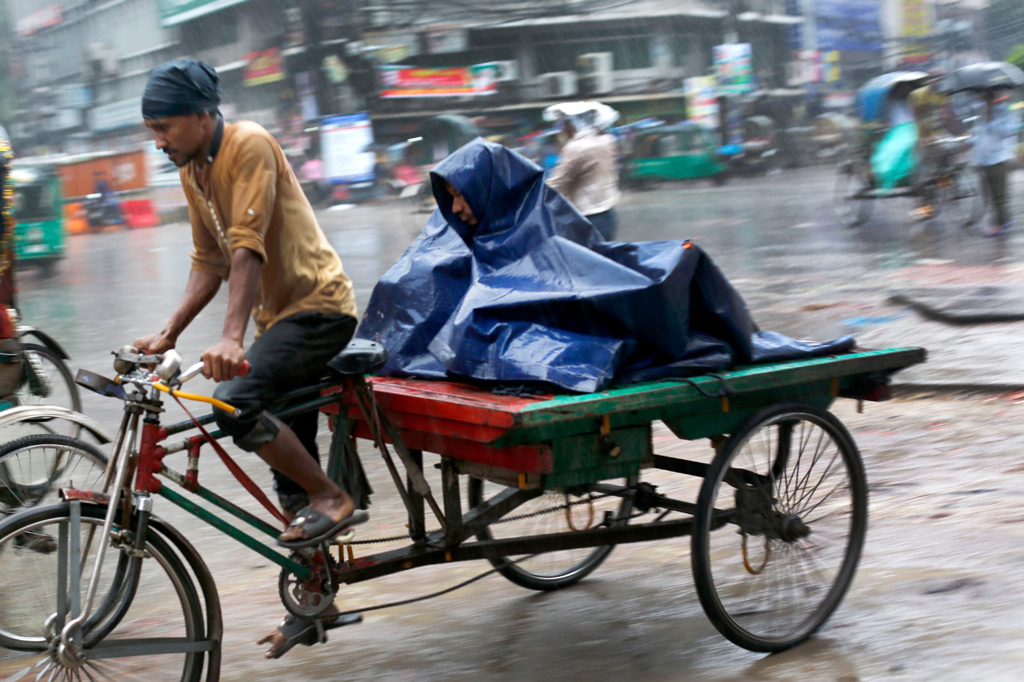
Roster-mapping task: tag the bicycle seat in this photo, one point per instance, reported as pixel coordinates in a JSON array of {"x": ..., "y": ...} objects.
[{"x": 360, "y": 356}]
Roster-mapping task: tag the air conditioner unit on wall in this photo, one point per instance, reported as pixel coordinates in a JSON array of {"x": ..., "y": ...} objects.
[
  {"x": 597, "y": 73},
  {"x": 508, "y": 71},
  {"x": 103, "y": 59},
  {"x": 558, "y": 84}
]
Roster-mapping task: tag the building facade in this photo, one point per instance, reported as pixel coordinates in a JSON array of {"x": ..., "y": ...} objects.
[{"x": 80, "y": 65}]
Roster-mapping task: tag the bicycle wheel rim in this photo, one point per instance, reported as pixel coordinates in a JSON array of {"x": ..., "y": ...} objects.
[
  {"x": 33, "y": 469},
  {"x": 551, "y": 512},
  {"x": 166, "y": 605},
  {"x": 849, "y": 211},
  {"x": 766, "y": 593},
  {"x": 46, "y": 380}
]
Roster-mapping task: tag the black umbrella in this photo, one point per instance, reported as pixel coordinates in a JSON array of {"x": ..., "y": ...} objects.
[{"x": 983, "y": 76}]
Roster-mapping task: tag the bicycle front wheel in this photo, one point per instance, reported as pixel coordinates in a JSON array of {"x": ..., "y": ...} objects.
[
  {"x": 46, "y": 380},
  {"x": 148, "y": 621},
  {"x": 779, "y": 527},
  {"x": 33, "y": 469},
  {"x": 551, "y": 512}
]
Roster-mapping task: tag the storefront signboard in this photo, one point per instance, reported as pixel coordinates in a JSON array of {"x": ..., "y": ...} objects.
[
  {"x": 702, "y": 100},
  {"x": 851, "y": 25},
  {"x": 732, "y": 67},
  {"x": 344, "y": 141},
  {"x": 50, "y": 15},
  {"x": 264, "y": 66},
  {"x": 391, "y": 48},
  {"x": 173, "y": 12},
  {"x": 917, "y": 24},
  {"x": 443, "y": 40},
  {"x": 458, "y": 81}
]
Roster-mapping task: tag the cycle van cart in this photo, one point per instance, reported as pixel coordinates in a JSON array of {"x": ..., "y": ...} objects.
[
  {"x": 553, "y": 484},
  {"x": 944, "y": 175}
]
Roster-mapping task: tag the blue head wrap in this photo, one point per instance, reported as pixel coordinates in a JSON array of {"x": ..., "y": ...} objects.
[{"x": 184, "y": 86}]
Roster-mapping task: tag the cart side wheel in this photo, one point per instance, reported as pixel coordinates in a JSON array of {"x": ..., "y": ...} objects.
[
  {"x": 962, "y": 197},
  {"x": 551, "y": 512},
  {"x": 779, "y": 527},
  {"x": 851, "y": 208}
]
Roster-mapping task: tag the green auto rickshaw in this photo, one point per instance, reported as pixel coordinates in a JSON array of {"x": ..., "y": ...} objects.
[
  {"x": 39, "y": 225},
  {"x": 674, "y": 152}
]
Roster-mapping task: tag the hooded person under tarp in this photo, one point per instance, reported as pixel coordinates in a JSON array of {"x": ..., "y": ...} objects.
[{"x": 514, "y": 286}]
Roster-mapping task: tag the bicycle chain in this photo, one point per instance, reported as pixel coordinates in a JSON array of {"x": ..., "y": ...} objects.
[{"x": 508, "y": 519}]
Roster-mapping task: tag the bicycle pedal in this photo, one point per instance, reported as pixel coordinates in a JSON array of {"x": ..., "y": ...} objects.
[{"x": 345, "y": 537}]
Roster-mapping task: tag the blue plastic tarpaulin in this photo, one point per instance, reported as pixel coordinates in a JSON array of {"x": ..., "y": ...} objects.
[{"x": 530, "y": 293}]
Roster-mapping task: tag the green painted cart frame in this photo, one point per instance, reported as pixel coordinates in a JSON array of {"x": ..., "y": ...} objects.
[{"x": 572, "y": 449}]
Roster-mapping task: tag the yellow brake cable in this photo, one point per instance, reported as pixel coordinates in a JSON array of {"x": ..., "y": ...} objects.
[{"x": 219, "y": 404}]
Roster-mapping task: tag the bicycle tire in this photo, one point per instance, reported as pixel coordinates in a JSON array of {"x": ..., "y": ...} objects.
[
  {"x": 34, "y": 468},
  {"x": 848, "y": 211},
  {"x": 27, "y": 598},
  {"x": 772, "y": 492},
  {"x": 953, "y": 195},
  {"x": 30, "y": 392},
  {"x": 559, "y": 577}
]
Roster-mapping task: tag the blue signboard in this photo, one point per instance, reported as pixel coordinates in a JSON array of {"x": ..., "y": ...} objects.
[{"x": 853, "y": 25}]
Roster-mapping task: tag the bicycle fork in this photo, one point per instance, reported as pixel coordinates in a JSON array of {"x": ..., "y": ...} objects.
[{"x": 70, "y": 554}]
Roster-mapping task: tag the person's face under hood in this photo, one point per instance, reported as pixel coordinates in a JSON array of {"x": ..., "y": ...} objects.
[
  {"x": 460, "y": 206},
  {"x": 481, "y": 187}
]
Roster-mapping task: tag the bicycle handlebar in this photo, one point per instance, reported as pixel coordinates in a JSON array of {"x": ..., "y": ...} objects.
[{"x": 130, "y": 361}]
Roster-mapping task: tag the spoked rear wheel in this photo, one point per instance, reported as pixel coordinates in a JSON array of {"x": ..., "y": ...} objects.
[
  {"x": 551, "y": 512},
  {"x": 779, "y": 527},
  {"x": 850, "y": 204},
  {"x": 148, "y": 623}
]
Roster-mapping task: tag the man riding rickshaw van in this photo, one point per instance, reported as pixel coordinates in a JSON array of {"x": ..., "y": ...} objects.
[{"x": 889, "y": 128}]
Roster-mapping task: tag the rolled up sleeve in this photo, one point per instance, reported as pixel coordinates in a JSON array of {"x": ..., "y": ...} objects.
[{"x": 254, "y": 180}]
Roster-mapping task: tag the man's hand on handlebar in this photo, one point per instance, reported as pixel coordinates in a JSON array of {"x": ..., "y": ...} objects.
[
  {"x": 223, "y": 361},
  {"x": 154, "y": 343}
]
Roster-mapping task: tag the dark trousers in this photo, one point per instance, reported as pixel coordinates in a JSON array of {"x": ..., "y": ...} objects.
[
  {"x": 995, "y": 177},
  {"x": 606, "y": 222},
  {"x": 290, "y": 355}
]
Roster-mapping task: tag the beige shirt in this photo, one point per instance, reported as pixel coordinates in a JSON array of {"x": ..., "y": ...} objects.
[
  {"x": 586, "y": 173},
  {"x": 255, "y": 202}
]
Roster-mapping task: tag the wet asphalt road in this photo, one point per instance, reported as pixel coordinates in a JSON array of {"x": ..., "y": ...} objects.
[{"x": 939, "y": 591}]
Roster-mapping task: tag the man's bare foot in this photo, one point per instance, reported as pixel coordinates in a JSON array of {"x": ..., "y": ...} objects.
[
  {"x": 294, "y": 630},
  {"x": 290, "y": 632},
  {"x": 276, "y": 639},
  {"x": 335, "y": 508}
]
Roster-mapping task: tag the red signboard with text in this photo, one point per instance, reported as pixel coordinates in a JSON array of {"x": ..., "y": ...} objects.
[
  {"x": 265, "y": 66},
  {"x": 409, "y": 81}
]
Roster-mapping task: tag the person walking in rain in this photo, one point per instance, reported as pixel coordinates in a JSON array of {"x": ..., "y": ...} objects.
[
  {"x": 994, "y": 138},
  {"x": 585, "y": 173}
]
